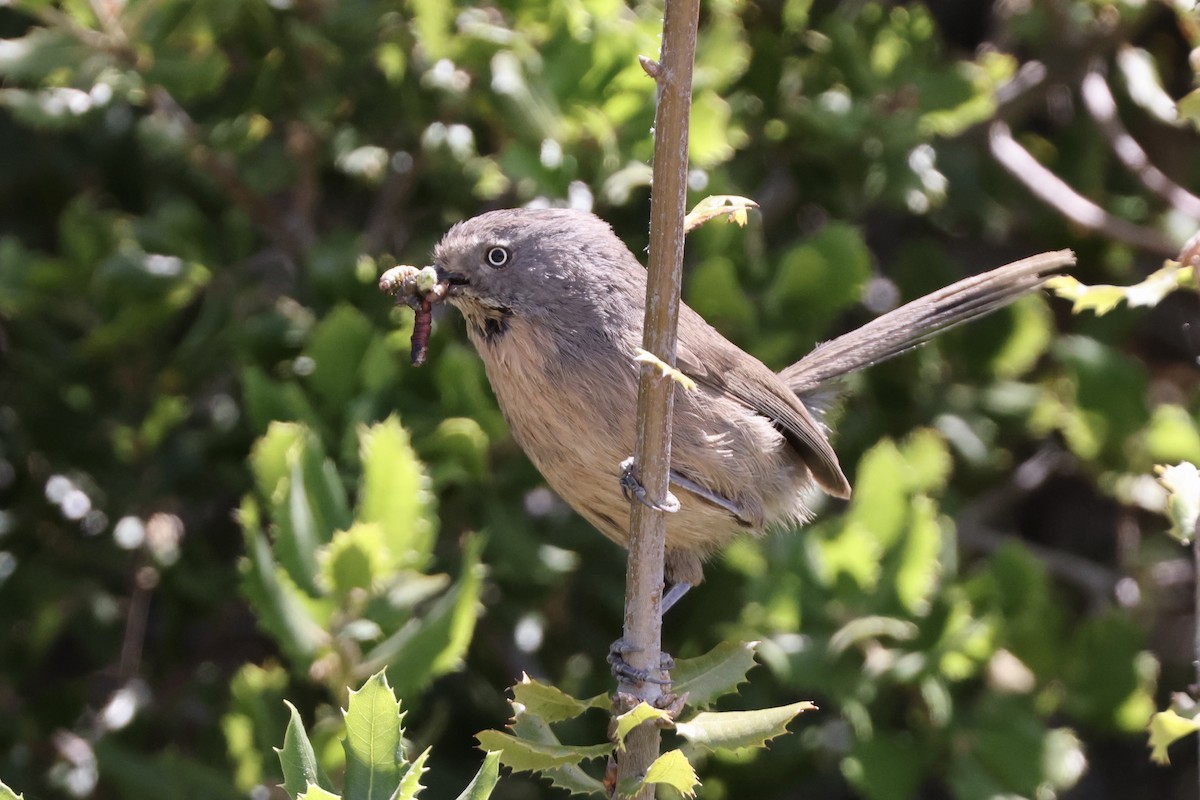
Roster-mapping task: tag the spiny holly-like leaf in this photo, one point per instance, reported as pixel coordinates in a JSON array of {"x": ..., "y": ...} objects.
[
  {"x": 374, "y": 758},
  {"x": 642, "y": 712},
  {"x": 410, "y": 785},
  {"x": 1182, "y": 483},
  {"x": 673, "y": 769},
  {"x": 396, "y": 494},
  {"x": 299, "y": 762},
  {"x": 1104, "y": 297},
  {"x": 523, "y": 755},
  {"x": 717, "y": 672},
  {"x": 718, "y": 205},
  {"x": 317, "y": 793},
  {"x": 8, "y": 794},
  {"x": 551, "y": 703},
  {"x": 733, "y": 730},
  {"x": 1165, "y": 728},
  {"x": 569, "y": 776},
  {"x": 481, "y": 786}
]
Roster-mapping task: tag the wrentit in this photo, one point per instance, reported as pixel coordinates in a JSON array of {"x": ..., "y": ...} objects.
[{"x": 554, "y": 304}]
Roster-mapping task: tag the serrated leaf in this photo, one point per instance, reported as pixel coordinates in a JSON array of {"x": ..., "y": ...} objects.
[
  {"x": 481, "y": 786},
  {"x": 317, "y": 793},
  {"x": 8, "y": 794},
  {"x": 434, "y": 643},
  {"x": 718, "y": 672},
  {"x": 642, "y": 712},
  {"x": 410, "y": 785},
  {"x": 570, "y": 776},
  {"x": 673, "y": 769},
  {"x": 354, "y": 558},
  {"x": 374, "y": 758},
  {"x": 1167, "y": 727},
  {"x": 275, "y": 598},
  {"x": 733, "y": 207},
  {"x": 523, "y": 755},
  {"x": 396, "y": 493},
  {"x": 1182, "y": 483},
  {"x": 297, "y": 758},
  {"x": 733, "y": 730},
  {"x": 551, "y": 703}
]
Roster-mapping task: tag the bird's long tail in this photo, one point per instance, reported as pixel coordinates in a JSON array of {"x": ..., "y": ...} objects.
[{"x": 915, "y": 323}]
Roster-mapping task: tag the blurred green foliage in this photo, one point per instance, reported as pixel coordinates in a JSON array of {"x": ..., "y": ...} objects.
[{"x": 198, "y": 373}]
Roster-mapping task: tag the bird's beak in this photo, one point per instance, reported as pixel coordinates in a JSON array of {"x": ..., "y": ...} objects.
[{"x": 456, "y": 281}]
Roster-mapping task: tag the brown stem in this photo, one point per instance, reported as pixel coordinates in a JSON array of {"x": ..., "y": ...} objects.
[
  {"x": 652, "y": 454},
  {"x": 1098, "y": 100},
  {"x": 1054, "y": 191}
]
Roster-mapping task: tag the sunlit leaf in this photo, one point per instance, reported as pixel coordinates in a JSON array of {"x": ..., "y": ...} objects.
[
  {"x": 733, "y": 730},
  {"x": 1182, "y": 482},
  {"x": 8, "y": 794},
  {"x": 551, "y": 703},
  {"x": 318, "y": 793},
  {"x": 523, "y": 755},
  {"x": 1166, "y": 728},
  {"x": 374, "y": 754},
  {"x": 297, "y": 758},
  {"x": 673, "y": 769},
  {"x": 396, "y": 493},
  {"x": 642, "y": 712},
  {"x": 733, "y": 207},
  {"x": 410, "y": 785},
  {"x": 717, "y": 672},
  {"x": 481, "y": 786},
  {"x": 569, "y": 777}
]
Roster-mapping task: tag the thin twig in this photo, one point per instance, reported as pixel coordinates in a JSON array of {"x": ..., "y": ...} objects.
[
  {"x": 1098, "y": 100},
  {"x": 1051, "y": 189},
  {"x": 652, "y": 453}
]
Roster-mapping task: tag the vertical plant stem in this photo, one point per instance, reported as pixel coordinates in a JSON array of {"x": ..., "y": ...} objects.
[{"x": 652, "y": 454}]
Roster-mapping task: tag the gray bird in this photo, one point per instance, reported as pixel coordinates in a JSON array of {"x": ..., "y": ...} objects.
[{"x": 554, "y": 303}]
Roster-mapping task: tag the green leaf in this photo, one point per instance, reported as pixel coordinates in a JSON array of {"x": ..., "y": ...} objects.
[
  {"x": 1182, "y": 483},
  {"x": 733, "y": 730},
  {"x": 435, "y": 643},
  {"x": 296, "y": 757},
  {"x": 8, "y": 794},
  {"x": 374, "y": 755},
  {"x": 886, "y": 767},
  {"x": 336, "y": 348},
  {"x": 673, "y": 769},
  {"x": 410, "y": 785},
  {"x": 869, "y": 629},
  {"x": 481, "y": 786},
  {"x": 277, "y": 600},
  {"x": 523, "y": 755},
  {"x": 919, "y": 563},
  {"x": 569, "y": 777},
  {"x": 551, "y": 703},
  {"x": 733, "y": 207},
  {"x": 355, "y": 559},
  {"x": 318, "y": 793},
  {"x": 716, "y": 673},
  {"x": 396, "y": 493},
  {"x": 642, "y": 712},
  {"x": 1166, "y": 728}
]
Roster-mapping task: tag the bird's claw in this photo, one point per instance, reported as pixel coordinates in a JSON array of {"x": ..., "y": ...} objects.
[
  {"x": 632, "y": 488},
  {"x": 623, "y": 670}
]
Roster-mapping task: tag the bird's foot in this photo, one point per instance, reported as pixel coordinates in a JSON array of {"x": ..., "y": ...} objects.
[
  {"x": 632, "y": 488},
  {"x": 623, "y": 670}
]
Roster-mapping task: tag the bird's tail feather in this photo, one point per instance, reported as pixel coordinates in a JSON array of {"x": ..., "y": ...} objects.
[{"x": 914, "y": 323}]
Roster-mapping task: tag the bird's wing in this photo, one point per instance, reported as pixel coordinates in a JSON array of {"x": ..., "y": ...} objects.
[{"x": 728, "y": 370}]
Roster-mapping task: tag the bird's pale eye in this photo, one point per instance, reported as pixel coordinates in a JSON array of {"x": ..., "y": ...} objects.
[{"x": 497, "y": 257}]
